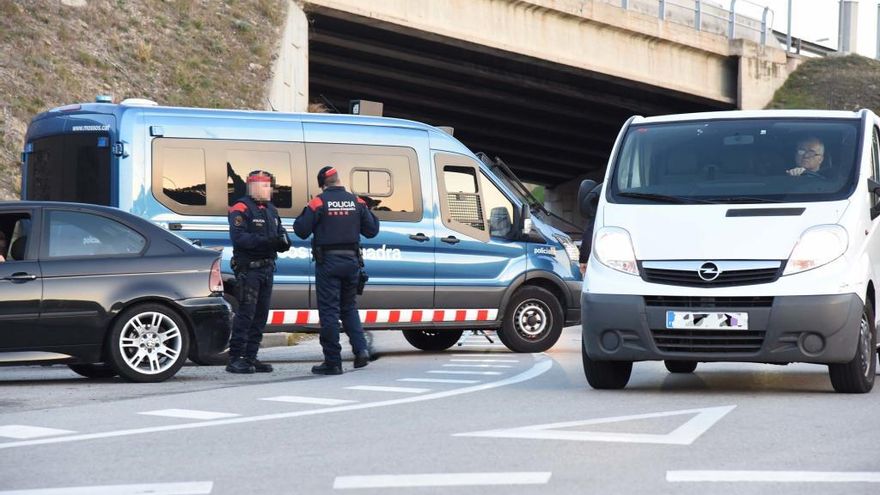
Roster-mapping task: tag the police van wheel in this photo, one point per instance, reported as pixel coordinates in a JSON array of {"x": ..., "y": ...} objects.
[
  {"x": 680, "y": 366},
  {"x": 148, "y": 343},
  {"x": 93, "y": 370},
  {"x": 606, "y": 375},
  {"x": 857, "y": 376},
  {"x": 432, "y": 340},
  {"x": 532, "y": 321}
]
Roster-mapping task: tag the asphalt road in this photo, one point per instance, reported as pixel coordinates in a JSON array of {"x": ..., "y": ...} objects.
[{"x": 474, "y": 419}]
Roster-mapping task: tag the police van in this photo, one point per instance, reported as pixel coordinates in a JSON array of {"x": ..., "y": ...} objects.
[
  {"x": 737, "y": 236},
  {"x": 461, "y": 247}
]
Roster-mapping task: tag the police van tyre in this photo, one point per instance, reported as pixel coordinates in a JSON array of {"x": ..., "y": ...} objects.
[
  {"x": 93, "y": 370},
  {"x": 680, "y": 366},
  {"x": 432, "y": 340},
  {"x": 148, "y": 343},
  {"x": 857, "y": 376},
  {"x": 606, "y": 375},
  {"x": 532, "y": 321}
]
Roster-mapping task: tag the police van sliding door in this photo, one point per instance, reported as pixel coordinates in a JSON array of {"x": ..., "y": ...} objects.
[
  {"x": 476, "y": 261},
  {"x": 400, "y": 260}
]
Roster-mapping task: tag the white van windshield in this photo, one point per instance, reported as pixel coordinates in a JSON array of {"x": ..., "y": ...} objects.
[{"x": 737, "y": 161}]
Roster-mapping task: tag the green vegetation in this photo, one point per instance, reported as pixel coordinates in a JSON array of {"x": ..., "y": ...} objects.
[
  {"x": 176, "y": 52},
  {"x": 832, "y": 83}
]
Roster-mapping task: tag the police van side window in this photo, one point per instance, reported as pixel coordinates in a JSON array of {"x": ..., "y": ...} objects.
[
  {"x": 499, "y": 208},
  {"x": 385, "y": 177},
  {"x": 462, "y": 202},
  {"x": 241, "y": 162}
]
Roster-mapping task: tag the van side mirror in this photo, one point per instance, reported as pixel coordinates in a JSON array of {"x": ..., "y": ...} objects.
[
  {"x": 525, "y": 220},
  {"x": 587, "y": 192},
  {"x": 874, "y": 189}
]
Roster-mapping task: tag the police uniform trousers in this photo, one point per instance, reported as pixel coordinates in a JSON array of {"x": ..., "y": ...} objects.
[
  {"x": 336, "y": 280},
  {"x": 253, "y": 311}
]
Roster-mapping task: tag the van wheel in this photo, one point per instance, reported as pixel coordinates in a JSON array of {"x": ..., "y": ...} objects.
[
  {"x": 532, "y": 322},
  {"x": 857, "y": 376},
  {"x": 93, "y": 370},
  {"x": 606, "y": 375},
  {"x": 680, "y": 366},
  {"x": 148, "y": 343},
  {"x": 432, "y": 340}
]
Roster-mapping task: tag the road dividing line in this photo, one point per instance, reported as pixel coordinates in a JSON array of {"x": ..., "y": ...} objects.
[
  {"x": 195, "y": 488},
  {"x": 189, "y": 414},
  {"x": 23, "y": 432},
  {"x": 318, "y": 401},
  {"x": 773, "y": 476},
  {"x": 403, "y": 390},
  {"x": 451, "y": 372},
  {"x": 541, "y": 366},
  {"x": 484, "y": 360},
  {"x": 484, "y": 355},
  {"x": 435, "y": 480},
  {"x": 436, "y": 380},
  {"x": 477, "y": 366}
]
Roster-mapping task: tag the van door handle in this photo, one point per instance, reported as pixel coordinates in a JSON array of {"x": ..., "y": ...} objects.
[
  {"x": 451, "y": 240},
  {"x": 419, "y": 237},
  {"x": 21, "y": 277}
]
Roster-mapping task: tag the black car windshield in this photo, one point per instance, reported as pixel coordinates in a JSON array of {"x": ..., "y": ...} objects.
[{"x": 737, "y": 161}]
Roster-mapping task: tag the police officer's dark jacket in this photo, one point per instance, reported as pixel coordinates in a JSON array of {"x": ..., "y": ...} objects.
[
  {"x": 255, "y": 230},
  {"x": 337, "y": 218}
]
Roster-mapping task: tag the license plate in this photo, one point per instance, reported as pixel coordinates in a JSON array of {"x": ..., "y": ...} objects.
[{"x": 707, "y": 321}]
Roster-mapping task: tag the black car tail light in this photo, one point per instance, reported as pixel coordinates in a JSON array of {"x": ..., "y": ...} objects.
[{"x": 215, "y": 282}]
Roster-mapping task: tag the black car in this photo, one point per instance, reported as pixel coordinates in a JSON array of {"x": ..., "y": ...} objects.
[{"x": 105, "y": 292}]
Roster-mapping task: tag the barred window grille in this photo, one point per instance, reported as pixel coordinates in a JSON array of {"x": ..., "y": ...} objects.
[{"x": 466, "y": 208}]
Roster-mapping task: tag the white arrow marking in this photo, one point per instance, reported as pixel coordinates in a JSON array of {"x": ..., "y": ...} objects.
[
  {"x": 195, "y": 488},
  {"x": 685, "y": 434}
]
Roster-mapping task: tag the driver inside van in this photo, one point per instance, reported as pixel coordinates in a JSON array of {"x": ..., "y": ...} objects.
[
  {"x": 3, "y": 247},
  {"x": 809, "y": 158}
]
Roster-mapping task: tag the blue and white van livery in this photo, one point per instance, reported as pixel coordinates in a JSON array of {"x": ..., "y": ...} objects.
[{"x": 460, "y": 247}]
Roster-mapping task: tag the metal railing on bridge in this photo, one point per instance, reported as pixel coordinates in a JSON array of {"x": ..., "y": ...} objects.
[{"x": 742, "y": 19}]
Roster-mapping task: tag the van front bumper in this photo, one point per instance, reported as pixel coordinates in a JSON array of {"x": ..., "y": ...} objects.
[{"x": 784, "y": 329}]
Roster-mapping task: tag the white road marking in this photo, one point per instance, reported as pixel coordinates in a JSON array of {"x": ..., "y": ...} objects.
[
  {"x": 436, "y": 380},
  {"x": 484, "y": 360},
  {"x": 189, "y": 414},
  {"x": 194, "y": 488},
  {"x": 434, "y": 480},
  {"x": 774, "y": 476},
  {"x": 477, "y": 354},
  {"x": 685, "y": 434},
  {"x": 542, "y": 365},
  {"x": 404, "y": 390},
  {"x": 295, "y": 399},
  {"x": 477, "y": 366},
  {"x": 22, "y": 432},
  {"x": 452, "y": 372}
]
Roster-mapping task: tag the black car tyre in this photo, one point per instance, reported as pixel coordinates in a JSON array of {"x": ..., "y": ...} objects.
[
  {"x": 148, "y": 343},
  {"x": 532, "y": 321},
  {"x": 432, "y": 340},
  {"x": 680, "y": 366},
  {"x": 219, "y": 359},
  {"x": 95, "y": 370},
  {"x": 857, "y": 376},
  {"x": 606, "y": 375}
]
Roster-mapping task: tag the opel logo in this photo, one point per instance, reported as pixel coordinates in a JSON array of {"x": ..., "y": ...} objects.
[{"x": 708, "y": 271}]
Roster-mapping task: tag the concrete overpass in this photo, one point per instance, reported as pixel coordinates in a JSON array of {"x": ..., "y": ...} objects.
[{"x": 545, "y": 84}]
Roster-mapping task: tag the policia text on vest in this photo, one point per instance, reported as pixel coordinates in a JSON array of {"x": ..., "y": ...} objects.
[
  {"x": 257, "y": 236},
  {"x": 336, "y": 219}
]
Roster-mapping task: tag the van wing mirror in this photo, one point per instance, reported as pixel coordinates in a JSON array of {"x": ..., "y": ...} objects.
[
  {"x": 874, "y": 189},
  {"x": 525, "y": 219},
  {"x": 587, "y": 193}
]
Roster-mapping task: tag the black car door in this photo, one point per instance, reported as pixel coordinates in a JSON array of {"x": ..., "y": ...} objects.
[{"x": 21, "y": 284}]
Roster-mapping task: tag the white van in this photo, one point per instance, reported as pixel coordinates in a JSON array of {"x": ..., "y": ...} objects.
[{"x": 736, "y": 236}]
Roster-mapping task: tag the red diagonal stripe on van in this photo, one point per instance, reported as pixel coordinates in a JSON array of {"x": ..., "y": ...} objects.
[
  {"x": 438, "y": 315},
  {"x": 483, "y": 315},
  {"x": 371, "y": 317},
  {"x": 394, "y": 316},
  {"x": 416, "y": 316},
  {"x": 277, "y": 317},
  {"x": 460, "y": 315},
  {"x": 302, "y": 317}
]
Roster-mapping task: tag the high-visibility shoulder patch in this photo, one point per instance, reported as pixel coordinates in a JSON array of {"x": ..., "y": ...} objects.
[
  {"x": 361, "y": 201},
  {"x": 315, "y": 203},
  {"x": 239, "y": 207}
]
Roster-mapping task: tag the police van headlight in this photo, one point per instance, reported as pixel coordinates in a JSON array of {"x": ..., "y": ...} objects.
[
  {"x": 570, "y": 248},
  {"x": 817, "y": 246},
  {"x": 614, "y": 249}
]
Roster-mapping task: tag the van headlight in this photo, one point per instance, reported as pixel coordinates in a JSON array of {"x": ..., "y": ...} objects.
[
  {"x": 570, "y": 248},
  {"x": 614, "y": 249},
  {"x": 817, "y": 246}
]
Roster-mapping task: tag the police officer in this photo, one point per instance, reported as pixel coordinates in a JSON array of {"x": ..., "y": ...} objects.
[
  {"x": 257, "y": 237},
  {"x": 337, "y": 219}
]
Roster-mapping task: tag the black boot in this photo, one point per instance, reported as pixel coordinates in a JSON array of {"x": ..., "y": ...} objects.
[
  {"x": 326, "y": 368},
  {"x": 362, "y": 359},
  {"x": 259, "y": 366},
  {"x": 239, "y": 365}
]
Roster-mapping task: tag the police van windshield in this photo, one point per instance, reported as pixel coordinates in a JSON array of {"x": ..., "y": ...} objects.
[
  {"x": 737, "y": 161},
  {"x": 69, "y": 167}
]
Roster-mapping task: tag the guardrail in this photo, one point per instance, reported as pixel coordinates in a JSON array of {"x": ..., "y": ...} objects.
[{"x": 709, "y": 16}]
